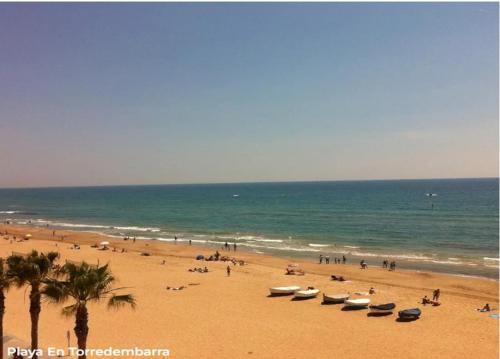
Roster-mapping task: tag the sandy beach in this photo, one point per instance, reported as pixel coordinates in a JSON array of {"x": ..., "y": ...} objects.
[{"x": 217, "y": 316}]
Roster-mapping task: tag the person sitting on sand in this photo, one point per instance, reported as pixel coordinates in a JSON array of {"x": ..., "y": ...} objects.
[
  {"x": 371, "y": 291},
  {"x": 425, "y": 300},
  {"x": 205, "y": 270},
  {"x": 486, "y": 308}
]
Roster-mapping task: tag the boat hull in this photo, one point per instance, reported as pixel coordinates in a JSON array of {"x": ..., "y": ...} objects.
[
  {"x": 283, "y": 290},
  {"x": 336, "y": 298},
  {"x": 383, "y": 308},
  {"x": 303, "y": 294},
  {"x": 410, "y": 314},
  {"x": 356, "y": 303}
]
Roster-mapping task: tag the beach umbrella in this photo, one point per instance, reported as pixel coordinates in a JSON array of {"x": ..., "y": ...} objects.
[{"x": 105, "y": 243}]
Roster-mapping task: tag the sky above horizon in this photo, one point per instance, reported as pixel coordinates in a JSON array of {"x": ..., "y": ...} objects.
[{"x": 103, "y": 94}]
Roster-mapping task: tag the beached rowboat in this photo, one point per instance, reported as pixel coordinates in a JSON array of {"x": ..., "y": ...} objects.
[
  {"x": 359, "y": 302},
  {"x": 284, "y": 290},
  {"x": 307, "y": 293},
  {"x": 413, "y": 313},
  {"x": 335, "y": 298},
  {"x": 382, "y": 308}
]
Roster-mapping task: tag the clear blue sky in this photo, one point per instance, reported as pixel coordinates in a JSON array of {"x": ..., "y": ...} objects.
[{"x": 174, "y": 93}]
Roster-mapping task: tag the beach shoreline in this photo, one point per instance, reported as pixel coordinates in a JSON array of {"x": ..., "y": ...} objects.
[
  {"x": 238, "y": 311},
  {"x": 403, "y": 264}
]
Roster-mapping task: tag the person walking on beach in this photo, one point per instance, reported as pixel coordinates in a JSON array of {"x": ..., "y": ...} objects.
[
  {"x": 327, "y": 259},
  {"x": 228, "y": 270},
  {"x": 175, "y": 239},
  {"x": 343, "y": 259},
  {"x": 320, "y": 259},
  {"x": 226, "y": 246},
  {"x": 133, "y": 240},
  {"x": 435, "y": 295},
  {"x": 189, "y": 242}
]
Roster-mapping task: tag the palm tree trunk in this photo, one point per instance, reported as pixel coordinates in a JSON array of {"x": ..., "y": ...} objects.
[
  {"x": 82, "y": 329},
  {"x": 35, "y": 308},
  {"x": 2, "y": 312}
]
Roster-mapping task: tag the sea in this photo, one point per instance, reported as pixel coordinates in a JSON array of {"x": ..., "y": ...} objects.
[{"x": 441, "y": 225}]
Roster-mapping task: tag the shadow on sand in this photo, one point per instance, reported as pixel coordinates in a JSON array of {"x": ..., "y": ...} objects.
[
  {"x": 405, "y": 320},
  {"x": 353, "y": 308},
  {"x": 278, "y": 295},
  {"x": 294, "y": 299},
  {"x": 371, "y": 314}
]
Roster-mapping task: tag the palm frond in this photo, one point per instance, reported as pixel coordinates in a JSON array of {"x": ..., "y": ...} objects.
[
  {"x": 69, "y": 310},
  {"x": 55, "y": 291}
]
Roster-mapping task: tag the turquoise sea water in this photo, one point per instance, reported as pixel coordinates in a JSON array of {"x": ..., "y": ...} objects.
[{"x": 455, "y": 231}]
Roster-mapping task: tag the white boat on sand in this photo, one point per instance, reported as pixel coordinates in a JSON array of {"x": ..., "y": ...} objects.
[
  {"x": 306, "y": 293},
  {"x": 335, "y": 298},
  {"x": 358, "y": 302},
  {"x": 284, "y": 290}
]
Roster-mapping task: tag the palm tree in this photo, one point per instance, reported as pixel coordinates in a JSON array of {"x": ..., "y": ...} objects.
[
  {"x": 5, "y": 283},
  {"x": 84, "y": 283},
  {"x": 32, "y": 270}
]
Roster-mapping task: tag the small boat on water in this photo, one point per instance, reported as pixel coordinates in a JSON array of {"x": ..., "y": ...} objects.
[
  {"x": 413, "y": 313},
  {"x": 382, "y": 308},
  {"x": 335, "y": 298},
  {"x": 357, "y": 302},
  {"x": 306, "y": 293},
  {"x": 284, "y": 290}
]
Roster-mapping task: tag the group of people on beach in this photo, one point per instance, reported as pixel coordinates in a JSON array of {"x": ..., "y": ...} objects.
[
  {"x": 391, "y": 266},
  {"x": 218, "y": 257},
  {"x": 129, "y": 238},
  {"x": 336, "y": 260},
  {"x": 227, "y": 247},
  {"x": 435, "y": 298}
]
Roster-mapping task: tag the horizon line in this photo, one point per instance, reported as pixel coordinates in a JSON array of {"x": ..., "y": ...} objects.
[{"x": 248, "y": 182}]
